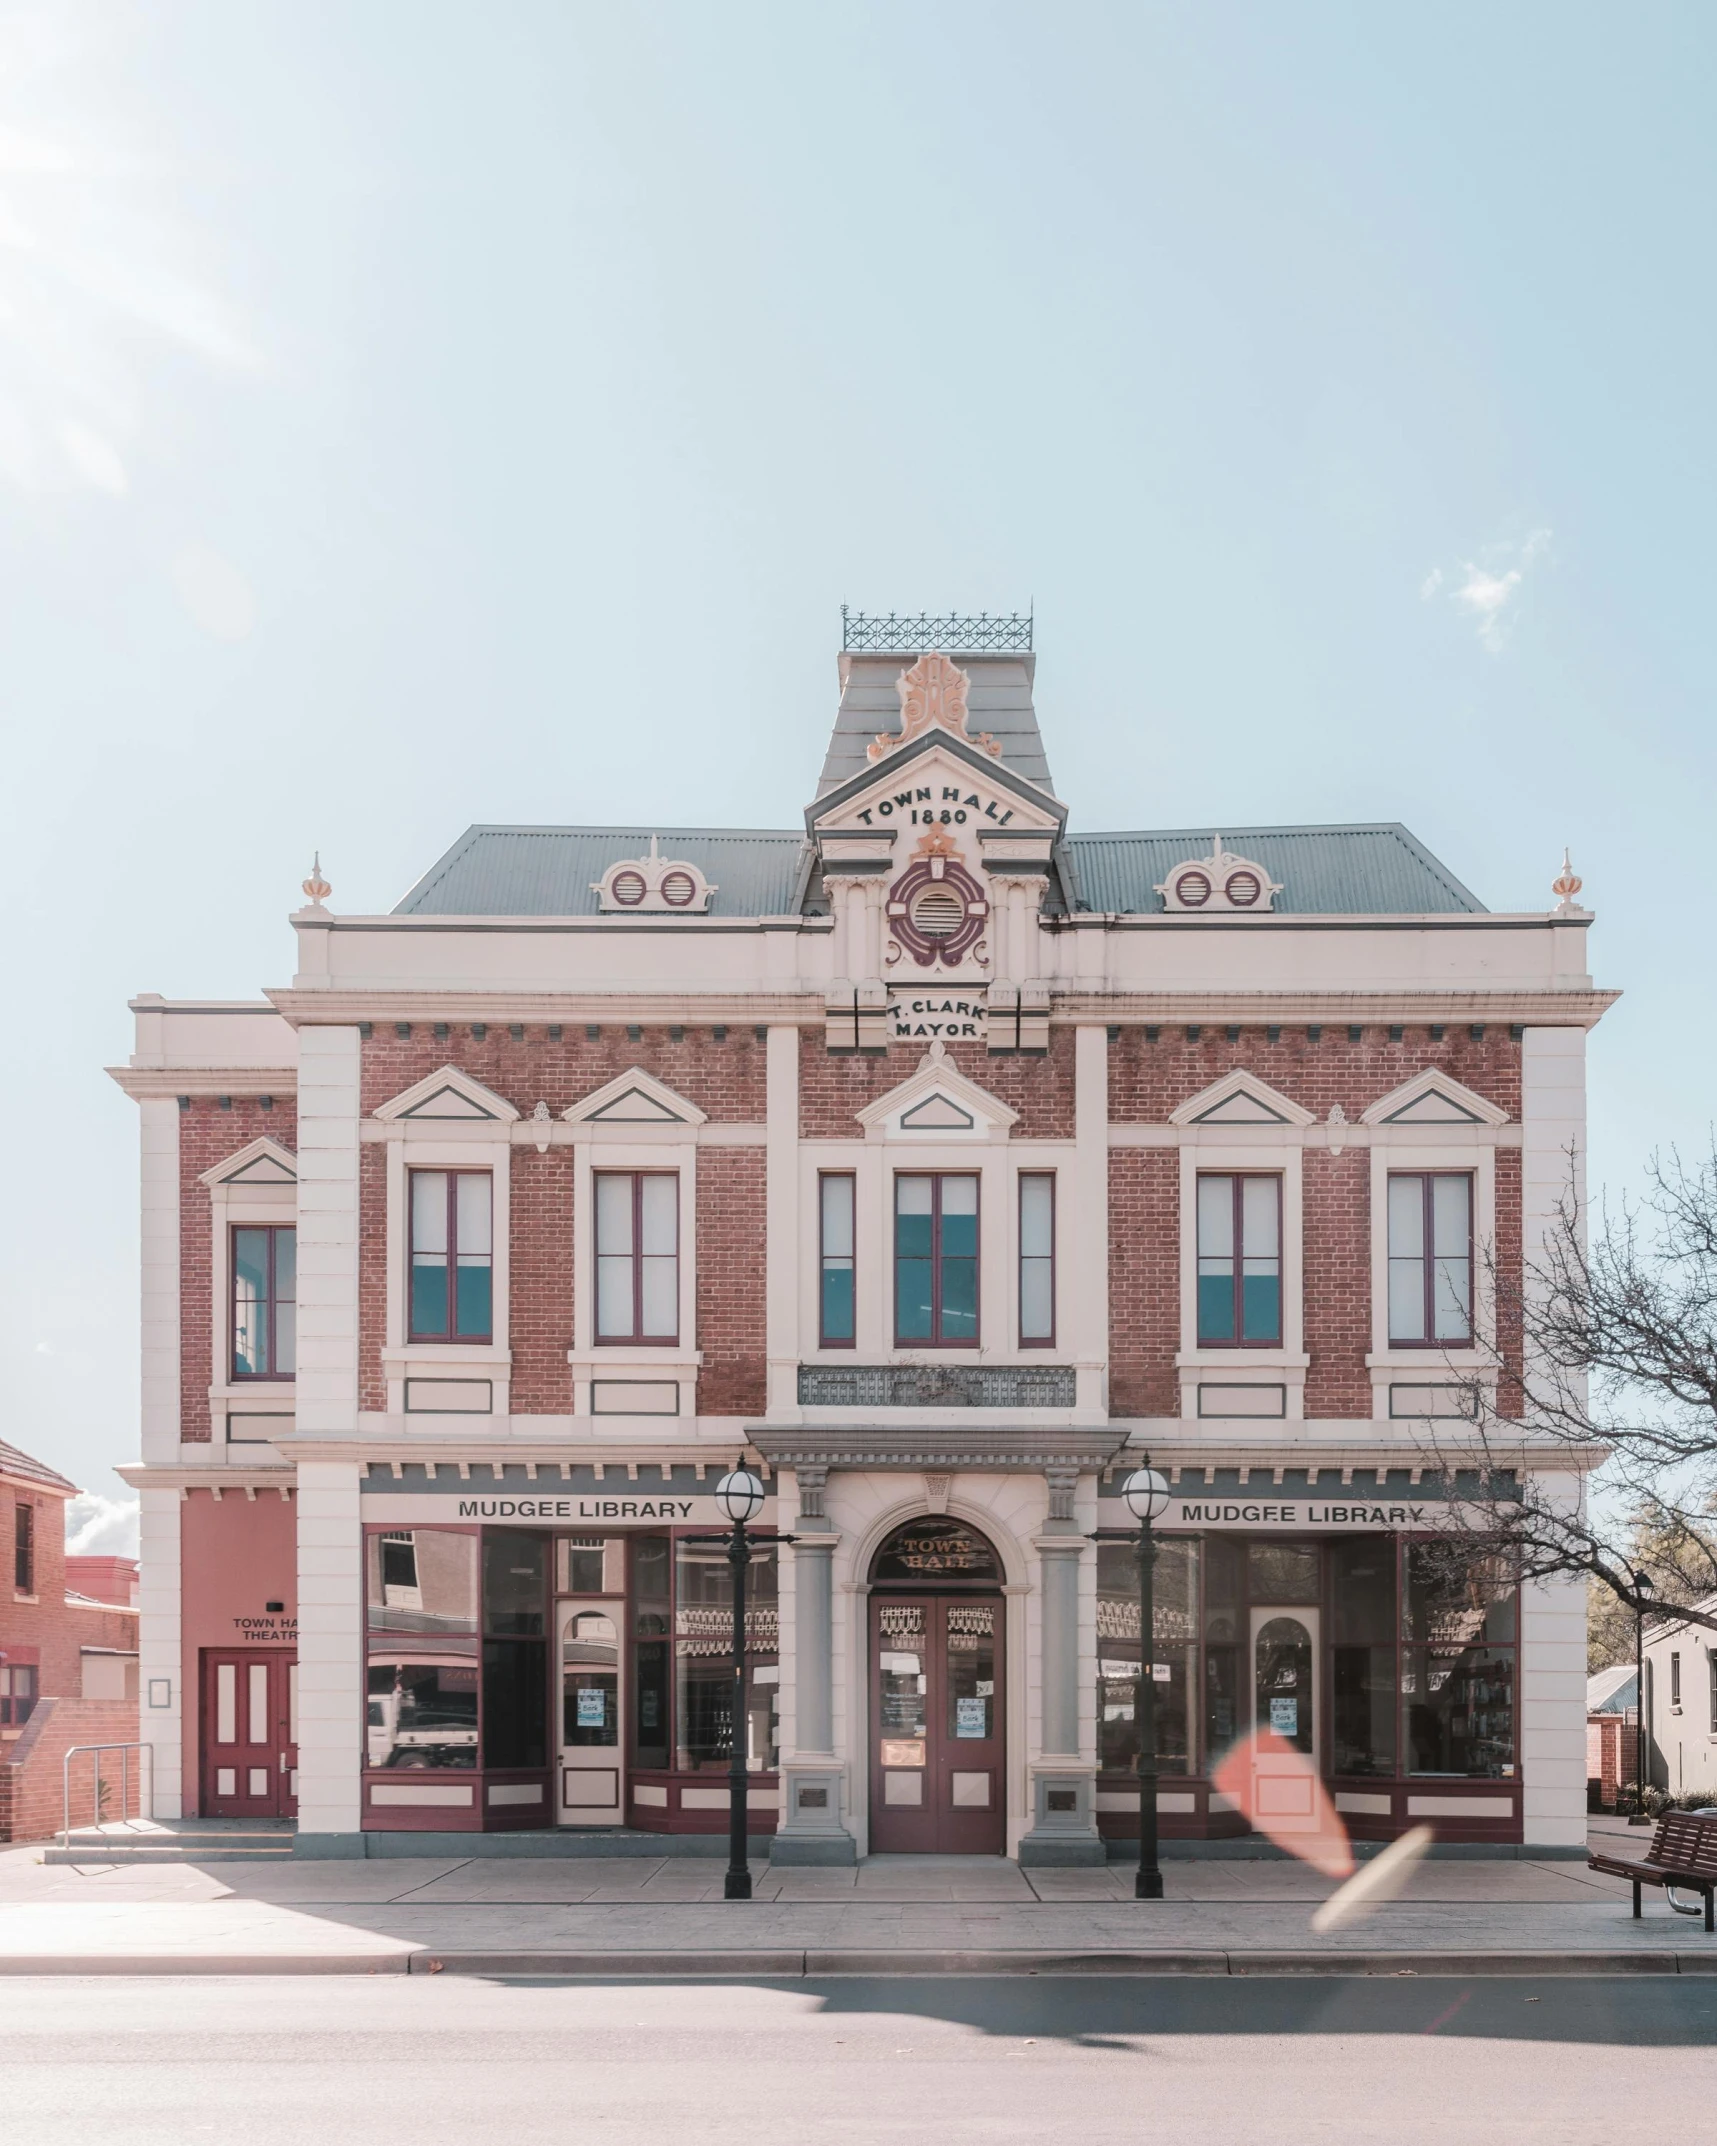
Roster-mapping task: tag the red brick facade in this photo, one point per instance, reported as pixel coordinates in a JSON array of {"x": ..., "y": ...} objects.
[
  {"x": 208, "y": 1135},
  {"x": 833, "y": 1090},
  {"x": 1149, "y": 1079},
  {"x": 730, "y": 1278},
  {"x": 43, "y": 1627},
  {"x": 1144, "y": 1280}
]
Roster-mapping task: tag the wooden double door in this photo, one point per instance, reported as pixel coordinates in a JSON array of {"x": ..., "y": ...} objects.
[
  {"x": 937, "y": 1773},
  {"x": 250, "y": 1733}
]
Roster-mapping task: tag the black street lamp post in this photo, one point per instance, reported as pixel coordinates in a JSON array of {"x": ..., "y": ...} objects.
[
  {"x": 740, "y": 1497},
  {"x": 1643, "y": 1590},
  {"x": 1147, "y": 1496}
]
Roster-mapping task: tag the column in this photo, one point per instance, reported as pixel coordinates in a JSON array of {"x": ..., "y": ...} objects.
[
  {"x": 161, "y": 1710},
  {"x": 1063, "y": 1779},
  {"x": 1085, "y": 1285},
  {"x": 812, "y": 1826},
  {"x": 330, "y": 1574}
]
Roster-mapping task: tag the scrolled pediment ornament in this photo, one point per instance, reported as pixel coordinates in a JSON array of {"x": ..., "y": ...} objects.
[{"x": 932, "y": 696}]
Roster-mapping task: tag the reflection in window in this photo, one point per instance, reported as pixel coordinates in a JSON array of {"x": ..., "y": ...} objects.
[
  {"x": 637, "y": 1255},
  {"x": 1175, "y": 1607},
  {"x": 1430, "y": 1258},
  {"x": 265, "y": 1302},
  {"x": 421, "y": 1715},
  {"x": 936, "y": 1260},
  {"x": 422, "y": 1580},
  {"x": 835, "y": 1296},
  {"x": 1362, "y": 1655},
  {"x": 1239, "y": 1260},
  {"x": 1457, "y": 1664},
  {"x": 703, "y": 1657},
  {"x": 450, "y": 1294}
]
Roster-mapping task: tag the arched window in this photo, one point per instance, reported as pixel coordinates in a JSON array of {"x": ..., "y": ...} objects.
[{"x": 934, "y": 1551}]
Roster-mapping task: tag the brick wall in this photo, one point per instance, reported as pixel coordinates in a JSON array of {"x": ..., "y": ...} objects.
[
  {"x": 833, "y": 1090},
  {"x": 207, "y": 1135},
  {"x": 1148, "y": 1080},
  {"x": 32, "y": 1770},
  {"x": 730, "y": 1280},
  {"x": 724, "y": 1079},
  {"x": 48, "y": 1630},
  {"x": 540, "y": 1324},
  {"x": 1144, "y": 1281},
  {"x": 1336, "y": 1249}
]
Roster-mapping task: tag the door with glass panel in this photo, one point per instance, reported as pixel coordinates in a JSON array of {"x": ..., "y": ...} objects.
[
  {"x": 591, "y": 1657},
  {"x": 937, "y": 1748},
  {"x": 250, "y": 1734},
  {"x": 1285, "y": 1657}
]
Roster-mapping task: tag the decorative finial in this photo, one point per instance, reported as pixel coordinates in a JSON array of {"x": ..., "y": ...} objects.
[
  {"x": 316, "y": 886},
  {"x": 1567, "y": 883}
]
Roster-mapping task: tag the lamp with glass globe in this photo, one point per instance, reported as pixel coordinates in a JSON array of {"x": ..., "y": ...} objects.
[
  {"x": 1147, "y": 1496},
  {"x": 1644, "y": 1589},
  {"x": 739, "y": 1495}
]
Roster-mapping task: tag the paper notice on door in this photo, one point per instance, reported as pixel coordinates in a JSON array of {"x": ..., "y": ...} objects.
[
  {"x": 592, "y": 1709},
  {"x": 1285, "y": 1716},
  {"x": 969, "y": 1717}
]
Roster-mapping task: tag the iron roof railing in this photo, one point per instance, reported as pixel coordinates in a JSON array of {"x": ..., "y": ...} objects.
[{"x": 865, "y": 633}]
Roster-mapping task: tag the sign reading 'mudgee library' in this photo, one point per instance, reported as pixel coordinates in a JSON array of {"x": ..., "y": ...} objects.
[
  {"x": 1349, "y": 1511},
  {"x": 547, "y": 1508}
]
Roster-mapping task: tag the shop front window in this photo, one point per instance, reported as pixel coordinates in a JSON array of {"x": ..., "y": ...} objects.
[
  {"x": 652, "y": 1614},
  {"x": 1224, "y": 1644},
  {"x": 421, "y": 1675},
  {"x": 515, "y": 1642},
  {"x": 1175, "y": 1609},
  {"x": 703, "y": 1658},
  {"x": 1459, "y": 1628},
  {"x": 1362, "y": 1655}
]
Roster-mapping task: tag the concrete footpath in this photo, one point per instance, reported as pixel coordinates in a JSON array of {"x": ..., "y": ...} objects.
[{"x": 890, "y": 1916}]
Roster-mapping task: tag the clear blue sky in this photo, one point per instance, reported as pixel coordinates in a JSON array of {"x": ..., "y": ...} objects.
[{"x": 415, "y": 412}]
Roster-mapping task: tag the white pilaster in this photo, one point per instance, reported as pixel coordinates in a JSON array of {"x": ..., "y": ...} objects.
[
  {"x": 330, "y": 1561},
  {"x": 1553, "y": 1130},
  {"x": 1082, "y": 1224},
  {"x": 159, "y": 1259},
  {"x": 783, "y": 1272},
  {"x": 1552, "y": 1702},
  {"x": 160, "y": 1665}
]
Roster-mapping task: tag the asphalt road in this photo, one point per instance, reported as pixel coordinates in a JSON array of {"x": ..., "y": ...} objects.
[{"x": 319, "y": 2061}]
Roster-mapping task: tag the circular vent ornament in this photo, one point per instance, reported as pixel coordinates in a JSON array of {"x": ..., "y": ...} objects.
[
  {"x": 1242, "y": 889},
  {"x": 1192, "y": 890},
  {"x": 938, "y": 912},
  {"x": 1218, "y": 884},
  {"x": 679, "y": 890},
  {"x": 628, "y": 889},
  {"x": 653, "y": 886}
]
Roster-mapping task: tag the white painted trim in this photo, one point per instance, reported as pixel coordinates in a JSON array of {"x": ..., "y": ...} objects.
[
  {"x": 937, "y": 1075},
  {"x": 1432, "y": 1082},
  {"x": 1284, "y": 1366},
  {"x": 678, "y": 1359},
  {"x": 260, "y": 1150},
  {"x": 1240, "y": 1082},
  {"x": 484, "y": 1100},
  {"x": 1394, "y": 1366},
  {"x": 588, "y": 1109},
  {"x": 421, "y": 1150}
]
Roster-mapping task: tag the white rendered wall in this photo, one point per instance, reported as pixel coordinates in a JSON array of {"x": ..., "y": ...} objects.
[
  {"x": 1552, "y": 1702},
  {"x": 159, "y": 1644},
  {"x": 330, "y": 1567}
]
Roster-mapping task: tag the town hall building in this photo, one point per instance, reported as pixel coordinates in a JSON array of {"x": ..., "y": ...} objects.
[{"x": 942, "y": 1158}]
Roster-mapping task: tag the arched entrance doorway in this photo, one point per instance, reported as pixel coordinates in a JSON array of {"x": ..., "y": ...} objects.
[{"x": 937, "y": 1712}]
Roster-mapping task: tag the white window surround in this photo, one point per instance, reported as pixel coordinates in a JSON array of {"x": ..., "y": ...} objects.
[
  {"x": 633, "y": 1102},
  {"x": 938, "y": 1095},
  {"x": 1428, "y": 1101},
  {"x": 602, "y": 1146},
  {"x": 874, "y": 1163},
  {"x": 1239, "y": 1100},
  {"x": 1259, "y": 1150},
  {"x": 257, "y": 1184},
  {"x": 1420, "y": 1147},
  {"x": 447, "y": 1121}
]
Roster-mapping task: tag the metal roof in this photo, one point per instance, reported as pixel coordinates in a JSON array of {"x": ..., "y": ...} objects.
[
  {"x": 551, "y": 871},
  {"x": 1611, "y": 1691},
  {"x": 22, "y": 1467},
  {"x": 998, "y": 700},
  {"x": 1324, "y": 871}
]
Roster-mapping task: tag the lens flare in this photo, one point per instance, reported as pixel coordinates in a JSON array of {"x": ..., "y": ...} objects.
[
  {"x": 1277, "y": 1789},
  {"x": 1377, "y": 1881}
]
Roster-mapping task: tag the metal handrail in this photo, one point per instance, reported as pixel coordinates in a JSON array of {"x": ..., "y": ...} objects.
[{"x": 145, "y": 1805}]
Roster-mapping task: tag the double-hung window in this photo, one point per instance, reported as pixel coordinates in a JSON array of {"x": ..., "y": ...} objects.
[
  {"x": 637, "y": 1255},
  {"x": 265, "y": 1302},
  {"x": 24, "y": 1549},
  {"x": 1239, "y": 1260},
  {"x": 936, "y": 1260},
  {"x": 1037, "y": 1259},
  {"x": 452, "y": 1256},
  {"x": 836, "y": 1304},
  {"x": 1430, "y": 1259}
]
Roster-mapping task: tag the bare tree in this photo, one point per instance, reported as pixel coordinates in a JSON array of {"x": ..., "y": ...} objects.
[{"x": 1609, "y": 1376}]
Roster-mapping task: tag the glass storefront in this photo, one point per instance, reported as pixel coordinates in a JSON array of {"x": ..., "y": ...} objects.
[{"x": 1384, "y": 1657}]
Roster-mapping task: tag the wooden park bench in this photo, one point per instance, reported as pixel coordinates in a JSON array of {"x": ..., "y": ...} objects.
[{"x": 1683, "y": 1854}]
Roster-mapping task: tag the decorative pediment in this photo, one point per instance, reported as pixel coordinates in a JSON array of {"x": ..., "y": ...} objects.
[
  {"x": 263, "y": 1162},
  {"x": 447, "y": 1097},
  {"x": 1220, "y": 884},
  {"x": 634, "y": 1098},
  {"x": 1240, "y": 1098},
  {"x": 1433, "y": 1098},
  {"x": 938, "y": 1102},
  {"x": 652, "y": 886},
  {"x": 932, "y": 696}
]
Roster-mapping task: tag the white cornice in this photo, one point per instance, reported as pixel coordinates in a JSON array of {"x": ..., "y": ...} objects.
[{"x": 150, "y": 1083}]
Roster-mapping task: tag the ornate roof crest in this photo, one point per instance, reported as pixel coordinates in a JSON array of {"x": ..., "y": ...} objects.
[
  {"x": 652, "y": 886},
  {"x": 932, "y": 695},
  {"x": 1220, "y": 882},
  {"x": 1567, "y": 884}
]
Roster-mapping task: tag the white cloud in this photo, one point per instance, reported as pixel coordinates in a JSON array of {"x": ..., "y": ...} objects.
[
  {"x": 1488, "y": 587},
  {"x": 101, "y": 1527}
]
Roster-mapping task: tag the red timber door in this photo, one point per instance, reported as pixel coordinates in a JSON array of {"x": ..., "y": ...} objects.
[
  {"x": 936, "y": 1774},
  {"x": 250, "y": 1734}
]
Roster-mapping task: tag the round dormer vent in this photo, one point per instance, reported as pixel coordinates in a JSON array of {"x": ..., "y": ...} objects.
[
  {"x": 1192, "y": 890},
  {"x": 938, "y": 912},
  {"x": 628, "y": 889},
  {"x": 1242, "y": 889}
]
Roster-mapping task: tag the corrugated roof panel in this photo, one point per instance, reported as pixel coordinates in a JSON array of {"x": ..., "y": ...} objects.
[
  {"x": 551, "y": 871},
  {"x": 1324, "y": 871}
]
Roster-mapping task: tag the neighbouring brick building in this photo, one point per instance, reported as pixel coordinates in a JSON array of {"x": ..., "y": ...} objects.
[{"x": 944, "y": 1159}]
